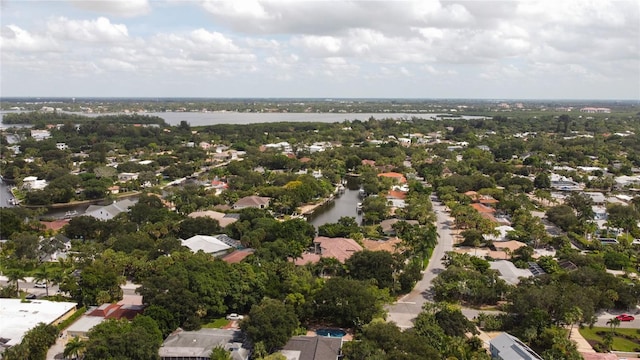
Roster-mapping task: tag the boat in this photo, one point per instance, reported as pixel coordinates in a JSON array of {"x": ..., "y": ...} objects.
[
  {"x": 359, "y": 208},
  {"x": 69, "y": 214}
]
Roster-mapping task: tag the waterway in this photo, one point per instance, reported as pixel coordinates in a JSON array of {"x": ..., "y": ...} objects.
[
  {"x": 5, "y": 195},
  {"x": 344, "y": 205},
  {"x": 230, "y": 117}
]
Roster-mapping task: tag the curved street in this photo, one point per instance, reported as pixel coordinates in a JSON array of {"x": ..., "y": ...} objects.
[{"x": 405, "y": 310}]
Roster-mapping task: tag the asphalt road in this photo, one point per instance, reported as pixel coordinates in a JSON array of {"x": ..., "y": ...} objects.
[{"x": 405, "y": 310}]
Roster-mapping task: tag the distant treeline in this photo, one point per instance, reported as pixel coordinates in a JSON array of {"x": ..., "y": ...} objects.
[{"x": 37, "y": 117}]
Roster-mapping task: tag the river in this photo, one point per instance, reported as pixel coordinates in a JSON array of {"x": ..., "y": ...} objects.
[{"x": 230, "y": 117}]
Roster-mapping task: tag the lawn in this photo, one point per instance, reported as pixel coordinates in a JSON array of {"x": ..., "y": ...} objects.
[
  {"x": 623, "y": 340},
  {"x": 216, "y": 324}
]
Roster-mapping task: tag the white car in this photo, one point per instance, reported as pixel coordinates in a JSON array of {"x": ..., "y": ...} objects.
[
  {"x": 40, "y": 285},
  {"x": 234, "y": 316}
]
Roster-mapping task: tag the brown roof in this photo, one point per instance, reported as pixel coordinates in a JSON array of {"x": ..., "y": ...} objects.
[
  {"x": 253, "y": 200},
  {"x": 512, "y": 245},
  {"x": 394, "y": 175},
  {"x": 482, "y": 209},
  {"x": 338, "y": 248},
  {"x": 55, "y": 225},
  {"x": 368, "y": 162},
  {"x": 305, "y": 160},
  {"x": 237, "y": 256},
  {"x": 396, "y": 194},
  {"x": 382, "y": 245},
  {"x": 222, "y": 220}
]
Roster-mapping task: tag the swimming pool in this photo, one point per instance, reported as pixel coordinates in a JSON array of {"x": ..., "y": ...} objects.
[{"x": 331, "y": 332}]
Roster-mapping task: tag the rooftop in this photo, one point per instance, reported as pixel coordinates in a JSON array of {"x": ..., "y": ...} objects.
[
  {"x": 312, "y": 348},
  {"x": 182, "y": 344},
  {"x": 208, "y": 244},
  {"x": 19, "y": 317}
]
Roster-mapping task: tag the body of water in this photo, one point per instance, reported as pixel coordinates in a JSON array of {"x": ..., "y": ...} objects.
[
  {"x": 229, "y": 117},
  {"x": 344, "y": 205},
  {"x": 5, "y": 195}
]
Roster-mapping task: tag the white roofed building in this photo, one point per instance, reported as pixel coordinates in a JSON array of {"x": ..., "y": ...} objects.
[{"x": 208, "y": 244}]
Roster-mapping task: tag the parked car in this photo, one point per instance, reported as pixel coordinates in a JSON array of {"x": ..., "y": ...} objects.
[
  {"x": 30, "y": 296},
  {"x": 234, "y": 316},
  {"x": 40, "y": 285},
  {"x": 625, "y": 317}
]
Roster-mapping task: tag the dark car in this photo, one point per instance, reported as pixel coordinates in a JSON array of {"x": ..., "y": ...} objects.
[
  {"x": 625, "y": 317},
  {"x": 30, "y": 296}
]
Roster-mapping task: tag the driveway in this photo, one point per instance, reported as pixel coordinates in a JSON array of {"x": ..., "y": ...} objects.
[{"x": 405, "y": 310}]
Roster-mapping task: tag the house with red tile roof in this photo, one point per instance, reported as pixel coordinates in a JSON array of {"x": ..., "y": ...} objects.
[
  {"x": 237, "y": 256},
  {"x": 325, "y": 247},
  {"x": 394, "y": 175}
]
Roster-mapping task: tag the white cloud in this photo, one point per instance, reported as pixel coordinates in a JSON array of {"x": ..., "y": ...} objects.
[
  {"x": 14, "y": 38},
  {"x": 126, "y": 8},
  {"x": 100, "y": 30}
]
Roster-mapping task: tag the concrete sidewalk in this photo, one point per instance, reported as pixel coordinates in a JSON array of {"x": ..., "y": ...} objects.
[{"x": 582, "y": 343}]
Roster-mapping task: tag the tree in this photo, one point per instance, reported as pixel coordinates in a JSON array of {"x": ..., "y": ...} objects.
[
  {"x": 198, "y": 226},
  {"x": 572, "y": 316},
  {"x": 347, "y": 302},
  {"x": 270, "y": 322},
  {"x": 613, "y": 324},
  {"x": 219, "y": 353},
  {"x": 139, "y": 339},
  {"x": 34, "y": 344},
  {"x": 14, "y": 275},
  {"x": 542, "y": 181},
  {"x": 75, "y": 348},
  {"x": 43, "y": 274},
  {"x": 373, "y": 265}
]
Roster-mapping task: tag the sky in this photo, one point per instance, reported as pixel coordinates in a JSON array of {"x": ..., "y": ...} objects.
[{"x": 531, "y": 49}]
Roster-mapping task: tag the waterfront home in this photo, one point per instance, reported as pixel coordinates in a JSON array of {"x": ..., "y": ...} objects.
[
  {"x": 110, "y": 211},
  {"x": 32, "y": 183}
]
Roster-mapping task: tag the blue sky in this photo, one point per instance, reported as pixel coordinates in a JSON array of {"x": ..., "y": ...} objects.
[{"x": 570, "y": 49}]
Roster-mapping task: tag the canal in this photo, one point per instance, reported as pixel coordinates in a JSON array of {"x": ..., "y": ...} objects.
[{"x": 344, "y": 205}]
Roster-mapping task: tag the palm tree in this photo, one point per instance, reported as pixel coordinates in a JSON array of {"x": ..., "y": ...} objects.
[
  {"x": 43, "y": 274},
  {"x": 14, "y": 275},
  {"x": 613, "y": 323},
  {"x": 74, "y": 348}
]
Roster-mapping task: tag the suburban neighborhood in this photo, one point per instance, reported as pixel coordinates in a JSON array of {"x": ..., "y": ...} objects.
[{"x": 513, "y": 233}]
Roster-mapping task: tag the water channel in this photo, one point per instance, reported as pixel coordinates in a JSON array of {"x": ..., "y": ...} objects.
[{"x": 343, "y": 205}]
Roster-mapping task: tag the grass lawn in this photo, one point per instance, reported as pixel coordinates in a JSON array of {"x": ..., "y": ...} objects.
[
  {"x": 619, "y": 343},
  {"x": 216, "y": 324}
]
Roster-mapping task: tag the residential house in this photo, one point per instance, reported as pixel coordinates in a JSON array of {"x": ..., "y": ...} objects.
[
  {"x": 223, "y": 219},
  {"x": 597, "y": 198},
  {"x": 110, "y": 211},
  {"x": 39, "y": 135},
  {"x": 124, "y": 309},
  {"x": 208, "y": 244},
  {"x": 124, "y": 177},
  {"x": 253, "y": 201},
  {"x": 32, "y": 183},
  {"x": 237, "y": 256},
  {"x": 325, "y": 247},
  {"x": 387, "y": 225},
  {"x": 507, "y": 347},
  {"x": 62, "y": 146},
  {"x": 312, "y": 348},
  {"x": 394, "y": 175},
  {"x": 205, "y": 145},
  {"x": 198, "y": 345}
]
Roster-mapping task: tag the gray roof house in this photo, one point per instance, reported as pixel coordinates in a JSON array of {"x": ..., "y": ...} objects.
[
  {"x": 253, "y": 201},
  {"x": 110, "y": 211},
  {"x": 507, "y": 347},
  {"x": 197, "y": 345},
  {"x": 312, "y": 348}
]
